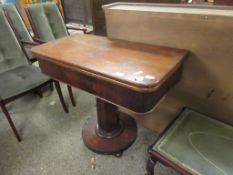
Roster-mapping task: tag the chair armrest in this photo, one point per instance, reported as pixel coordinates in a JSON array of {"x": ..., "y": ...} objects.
[
  {"x": 32, "y": 43},
  {"x": 39, "y": 40}
]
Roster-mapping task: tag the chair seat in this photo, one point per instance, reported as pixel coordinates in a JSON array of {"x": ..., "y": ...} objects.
[
  {"x": 28, "y": 50},
  {"x": 198, "y": 144},
  {"x": 20, "y": 80}
]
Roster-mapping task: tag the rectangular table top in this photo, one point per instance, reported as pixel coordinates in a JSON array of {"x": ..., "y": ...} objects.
[{"x": 131, "y": 64}]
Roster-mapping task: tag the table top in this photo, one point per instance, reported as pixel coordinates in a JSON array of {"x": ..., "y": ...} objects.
[{"x": 131, "y": 64}]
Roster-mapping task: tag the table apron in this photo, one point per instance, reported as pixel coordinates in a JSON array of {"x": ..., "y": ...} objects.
[{"x": 139, "y": 102}]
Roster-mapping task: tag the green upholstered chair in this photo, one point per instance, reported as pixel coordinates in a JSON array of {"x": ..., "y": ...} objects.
[
  {"x": 25, "y": 37},
  {"x": 194, "y": 144},
  {"x": 47, "y": 22},
  {"x": 17, "y": 76},
  {"x": 20, "y": 29},
  {"x": 27, "y": 41}
]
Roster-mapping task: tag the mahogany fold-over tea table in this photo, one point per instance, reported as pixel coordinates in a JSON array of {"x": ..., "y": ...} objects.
[{"x": 119, "y": 73}]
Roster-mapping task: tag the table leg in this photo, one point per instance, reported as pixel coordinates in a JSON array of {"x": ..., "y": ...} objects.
[{"x": 111, "y": 132}]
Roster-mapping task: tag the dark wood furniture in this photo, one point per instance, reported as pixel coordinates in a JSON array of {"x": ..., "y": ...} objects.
[
  {"x": 98, "y": 19},
  {"x": 192, "y": 144},
  {"x": 119, "y": 73},
  {"x": 223, "y": 2}
]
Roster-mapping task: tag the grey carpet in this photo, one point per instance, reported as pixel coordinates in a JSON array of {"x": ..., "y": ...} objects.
[{"x": 52, "y": 143}]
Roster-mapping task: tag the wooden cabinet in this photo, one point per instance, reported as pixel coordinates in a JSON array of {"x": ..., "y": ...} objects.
[
  {"x": 98, "y": 18},
  {"x": 223, "y": 2}
]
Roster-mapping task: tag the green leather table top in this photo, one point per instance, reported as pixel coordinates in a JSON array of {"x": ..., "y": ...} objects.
[{"x": 199, "y": 144}]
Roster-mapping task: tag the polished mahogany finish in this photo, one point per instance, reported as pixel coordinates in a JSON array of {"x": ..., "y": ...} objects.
[
  {"x": 110, "y": 132},
  {"x": 124, "y": 73},
  {"x": 120, "y": 73}
]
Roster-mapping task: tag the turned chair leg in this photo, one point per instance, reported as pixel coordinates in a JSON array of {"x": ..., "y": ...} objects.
[
  {"x": 40, "y": 93},
  {"x": 58, "y": 88},
  {"x": 51, "y": 86},
  {"x": 5, "y": 111},
  {"x": 150, "y": 166},
  {"x": 71, "y": 95}
]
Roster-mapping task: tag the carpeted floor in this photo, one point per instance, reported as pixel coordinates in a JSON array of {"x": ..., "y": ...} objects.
[{"x": 52, "y": 143}]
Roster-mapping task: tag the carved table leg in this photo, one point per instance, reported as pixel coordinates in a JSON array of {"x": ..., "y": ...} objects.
[
  {"x": 150, "y": 166},
  {"x": 111, "y": 132}
]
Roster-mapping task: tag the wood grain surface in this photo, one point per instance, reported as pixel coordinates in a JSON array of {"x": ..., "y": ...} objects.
[{"x": 138, "y": 66}]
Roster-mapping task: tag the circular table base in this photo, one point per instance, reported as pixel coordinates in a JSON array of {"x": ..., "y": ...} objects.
[{"x": 114, "y": 145}]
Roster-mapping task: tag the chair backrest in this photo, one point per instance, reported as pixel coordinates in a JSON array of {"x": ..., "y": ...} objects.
[
  {"x": 17, "y": 21},
  {"x": 46, "y": 21},
  {"x": 11, "y": 53}
]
